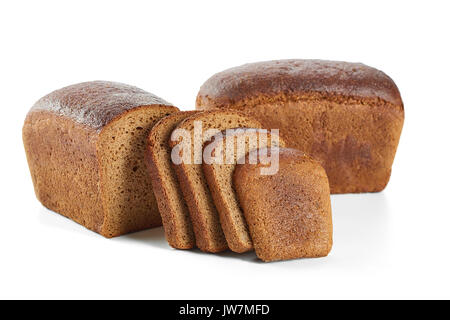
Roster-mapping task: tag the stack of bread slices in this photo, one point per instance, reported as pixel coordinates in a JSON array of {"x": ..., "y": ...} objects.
[
  {"x": 189, "y": 212},
  {"x": 198, "y": 202}
]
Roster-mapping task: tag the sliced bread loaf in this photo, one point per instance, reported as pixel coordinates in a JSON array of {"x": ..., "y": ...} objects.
[
  {"x": 86, "y": 147},
  {"x": 174, "y": 212},
  {"x": 225, "y": 149},
  {"x": 205, "y": 219},
  {"x": 289, "y": 212}
]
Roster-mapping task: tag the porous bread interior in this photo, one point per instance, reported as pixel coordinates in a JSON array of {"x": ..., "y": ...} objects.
[
  {"x": 205, "y": 218},
  {"x": 220, "y": 181},
  {"x": 173, "y": 209},
  {"x": 127, "y": 194}
]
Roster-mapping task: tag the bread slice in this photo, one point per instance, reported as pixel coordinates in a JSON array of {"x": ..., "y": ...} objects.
[
  {"x": 227, "y": 148},
  {"x": 289, "y": 212},
  {"x": 174, "y": 212},
  {"x": 205, "y": 219},
  {"x": 86, "y": 149}
]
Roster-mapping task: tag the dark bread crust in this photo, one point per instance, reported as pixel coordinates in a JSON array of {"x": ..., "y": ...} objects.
[
  {"x": 288, "y": 213},
  {"x": 347, "y": 116},
  {"x": 62, "y": 135},
  {"x": 56, "y": 151},
  {"x": 294, "y": 77},
  {"x": 204, "y": 216},
  {"x": 96, "y": 103},
  {"x": 175, "y": 216}
]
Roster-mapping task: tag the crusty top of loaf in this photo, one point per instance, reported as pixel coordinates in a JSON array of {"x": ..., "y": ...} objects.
[
  {"x": 298, "y": 78},
  {"x": 96, "y": 103}
]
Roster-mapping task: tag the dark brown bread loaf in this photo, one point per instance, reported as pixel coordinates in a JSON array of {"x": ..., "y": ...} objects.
[
  {"x": 205, "y": 219},
  {"x": 288, "y": 213},
  {"x": 86, "y": 146},
  {"x": 219, "y": 176},
  {"x": 348, "y": 116},
  {"x": 174, "y": 212}
]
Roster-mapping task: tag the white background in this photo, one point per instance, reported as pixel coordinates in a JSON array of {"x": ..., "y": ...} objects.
[{"x": 394, "y": 244}]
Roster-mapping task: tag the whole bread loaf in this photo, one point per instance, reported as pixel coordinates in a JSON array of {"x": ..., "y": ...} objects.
[
  {"x": 348, "y": 116},
  {"x": 85, "y": 146}
]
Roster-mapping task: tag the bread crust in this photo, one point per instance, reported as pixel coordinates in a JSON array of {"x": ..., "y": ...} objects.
[
  {"x": 61, "y": 135},
  {"x": 96, "y": 103},
  {"x": 56, "y": 151},
  {"x": 176, "y": 221},
  {"x": 348, "y": 116},
  {"x": 297, "y": 78},
  {"x": 288, "y": 213},
  {"x": 204, "y": 216}
]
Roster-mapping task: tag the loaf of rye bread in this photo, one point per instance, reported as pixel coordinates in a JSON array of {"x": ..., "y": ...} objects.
[
  {"x": 174, "y": 212},
  {"x": 209, "y": 236},
  {"x": 86, "y": 149},
  {"x": 348, "y": 116},
  {"x": 288, "y": 212},
  {"x": 225, "y": 150}
]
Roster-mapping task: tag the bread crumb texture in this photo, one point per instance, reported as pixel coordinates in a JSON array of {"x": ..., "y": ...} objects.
[
  {"x": 230, "y": 147},
  {"x": 204, "y": 216}
]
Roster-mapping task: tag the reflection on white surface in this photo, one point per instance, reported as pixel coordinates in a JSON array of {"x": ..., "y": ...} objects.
[
  {"x": 153, "y": 237},
  {"x": 56, "y": 221},
  {"x": 360, "y": 223},
  {"x": 361, "y": 226}
]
